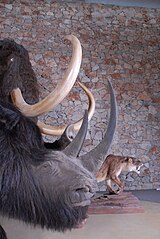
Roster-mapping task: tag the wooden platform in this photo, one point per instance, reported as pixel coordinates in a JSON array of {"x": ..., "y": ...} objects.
[{"x": 126, "y": 202}]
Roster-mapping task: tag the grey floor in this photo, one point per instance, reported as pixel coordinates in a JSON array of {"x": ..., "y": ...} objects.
[
  {"x": 120, "y": 226},
  {"x": 148, "y": 195}
]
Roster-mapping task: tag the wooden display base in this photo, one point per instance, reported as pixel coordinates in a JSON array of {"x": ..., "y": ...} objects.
[{"x": 104, "y": 203}]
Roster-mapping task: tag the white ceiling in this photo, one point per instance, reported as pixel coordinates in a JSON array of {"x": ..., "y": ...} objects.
[{"x": 138, "y": 3}]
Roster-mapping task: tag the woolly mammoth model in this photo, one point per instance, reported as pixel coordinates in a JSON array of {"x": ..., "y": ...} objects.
[{"x": 39, "y": 185}]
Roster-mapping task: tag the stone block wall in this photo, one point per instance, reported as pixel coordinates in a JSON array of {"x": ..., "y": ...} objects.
[{"x": 120, "y": 44}]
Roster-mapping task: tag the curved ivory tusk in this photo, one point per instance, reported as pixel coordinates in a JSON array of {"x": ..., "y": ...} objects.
[
  {"x": 61, "y": 90},
  {"x": 91, "y": 107},
  {"x": 58, "y": 130}
]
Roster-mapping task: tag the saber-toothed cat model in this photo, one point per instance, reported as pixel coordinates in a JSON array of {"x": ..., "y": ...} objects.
[{"x": 112, "y": 168}]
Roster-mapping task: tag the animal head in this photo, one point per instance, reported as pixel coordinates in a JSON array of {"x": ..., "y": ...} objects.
[
  {"x": 38, "y": 185},
  {"x": 133, "y": 164}
]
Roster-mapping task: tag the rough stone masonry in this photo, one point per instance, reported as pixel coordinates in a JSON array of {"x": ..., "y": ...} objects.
[{"x": 120, "y": 44}]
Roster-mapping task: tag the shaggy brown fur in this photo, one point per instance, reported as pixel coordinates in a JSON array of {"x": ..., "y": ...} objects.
[{"x": 112, "y": 168}]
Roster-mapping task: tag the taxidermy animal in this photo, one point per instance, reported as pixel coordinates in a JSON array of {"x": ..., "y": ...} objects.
[
  {"x": 112, "y": 168},
  {"x": 41, "y": 186}
]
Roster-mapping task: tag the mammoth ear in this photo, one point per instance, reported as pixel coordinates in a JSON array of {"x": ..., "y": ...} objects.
[{"x": 9, "y": 117}]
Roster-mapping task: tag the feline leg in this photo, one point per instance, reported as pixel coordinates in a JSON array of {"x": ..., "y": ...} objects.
[
  {"x": 109, "y": 186},
  {"x": 116, "y": 180}
]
